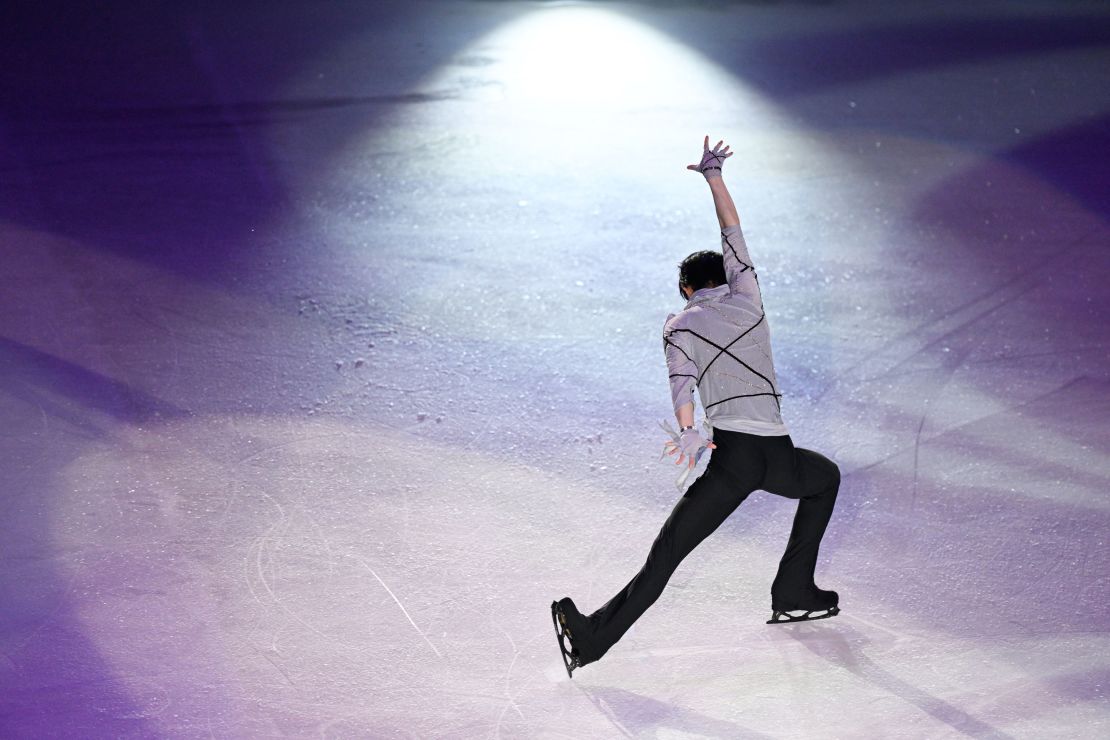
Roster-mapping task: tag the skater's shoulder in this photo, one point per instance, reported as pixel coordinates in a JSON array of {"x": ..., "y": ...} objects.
[
  {"x": 676, "y": 320},
  {"x": 684, "y": 317}
]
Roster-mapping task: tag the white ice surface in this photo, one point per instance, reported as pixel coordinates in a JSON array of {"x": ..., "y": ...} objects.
[{"x": 330, "y": 486}]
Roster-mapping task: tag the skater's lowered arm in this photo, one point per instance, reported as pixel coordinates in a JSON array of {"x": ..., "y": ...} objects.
[
  {"x": 685, "y": 415},
  {"x": 686, "y": 443},
  {"x": 682, "y": 372}
]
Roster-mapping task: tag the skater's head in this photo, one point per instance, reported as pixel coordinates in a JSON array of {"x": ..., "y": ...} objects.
[{"x": 704, "y": 269}]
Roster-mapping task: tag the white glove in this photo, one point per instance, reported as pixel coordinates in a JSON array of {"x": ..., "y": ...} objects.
[
  {"x": 690, "y": 444},
  {"x": 712, "y": 160}
]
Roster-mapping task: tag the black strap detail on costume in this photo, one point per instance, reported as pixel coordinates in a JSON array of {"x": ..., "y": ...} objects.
[
  {"x": 683, "y": 375},
  {"x": 667, "y": 341},
  {"x": 746, "y": 395},
  {"x": 734, "y": 341},
  {"x": 735, "y": 255},
  {"x": 725, "y": 351}
]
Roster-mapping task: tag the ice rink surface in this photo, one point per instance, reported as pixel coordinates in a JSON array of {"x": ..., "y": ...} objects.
[{"x": 330, "y": 355}]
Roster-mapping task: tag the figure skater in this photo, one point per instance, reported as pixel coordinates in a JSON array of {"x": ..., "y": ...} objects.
[{"x": 720, "y": 342}]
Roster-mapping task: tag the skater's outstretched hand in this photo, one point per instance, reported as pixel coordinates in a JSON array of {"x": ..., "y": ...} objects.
[
  {"x": 712, "y": 160},
  {"x": 689, "y": 445}
]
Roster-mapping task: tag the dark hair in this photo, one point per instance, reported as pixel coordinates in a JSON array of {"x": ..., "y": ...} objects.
[{"x": 700, "y": 269}]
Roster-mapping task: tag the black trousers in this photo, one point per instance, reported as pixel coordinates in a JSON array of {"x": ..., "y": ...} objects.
[{"x": 740, "y": 464}]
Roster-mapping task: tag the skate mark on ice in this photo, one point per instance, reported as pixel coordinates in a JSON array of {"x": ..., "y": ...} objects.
[
  {"x": 645, "y": 715},
  {"x": 508, "y": 686},
  {"x": 897, "y": 637},
  {"x": 404, "y": 611},
  {"x": 260, "y": 546},
  {"x": 1016, "y": 283},
  {"x": 1018, "y": 292},
  {"x": 1021, "y": 292},
  {"x": 603, "y": 707},
  {"x": 323, "y": 538},
  {"x": 44, "y": 447},
  {"x": 1007, "y": 410},
  {"x": 1014, "y": 287},
  {"x": 957, "y": 365},
  {"x": 991, "y": 360},
  {"x": 1052, "y": 353},
  {"x": 841, "y": 648},
  {"x": 277, "y": 667},
  {"x": 278, "y": 445},
  {"x": 208, "y": 724}
]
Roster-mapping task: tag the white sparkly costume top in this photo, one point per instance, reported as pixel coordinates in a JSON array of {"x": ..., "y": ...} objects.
[{"x": 721, "y": 344}]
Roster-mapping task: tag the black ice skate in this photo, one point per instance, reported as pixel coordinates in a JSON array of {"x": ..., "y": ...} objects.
[
  {"x": 817, "y": 604},
  {"x": 570, "y": 657},
  {"x": 567, "y": 619}
]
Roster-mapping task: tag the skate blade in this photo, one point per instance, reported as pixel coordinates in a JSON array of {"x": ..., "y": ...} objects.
[
  {"x": 785, "y": 617},
  {"x": 570, "y": 660}
]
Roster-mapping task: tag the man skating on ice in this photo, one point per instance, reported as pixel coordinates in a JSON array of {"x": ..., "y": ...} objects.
[{"x": 720, "y": 343}]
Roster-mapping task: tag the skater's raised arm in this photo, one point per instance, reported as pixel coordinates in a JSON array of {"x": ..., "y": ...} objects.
[
  {"x": 711, "y": 167},
  {"x": 722, "y": 201},
  {"x": 739, "y": 268},
  {"x": 738, "y": 265}
]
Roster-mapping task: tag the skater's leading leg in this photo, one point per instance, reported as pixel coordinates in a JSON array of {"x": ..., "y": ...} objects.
[
  {"x": 707, "y": 502},
  {"x": 815, "y": 480}
]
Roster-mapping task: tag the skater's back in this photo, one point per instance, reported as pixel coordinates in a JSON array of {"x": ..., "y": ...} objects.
[{"x": 721, "y": 343}]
